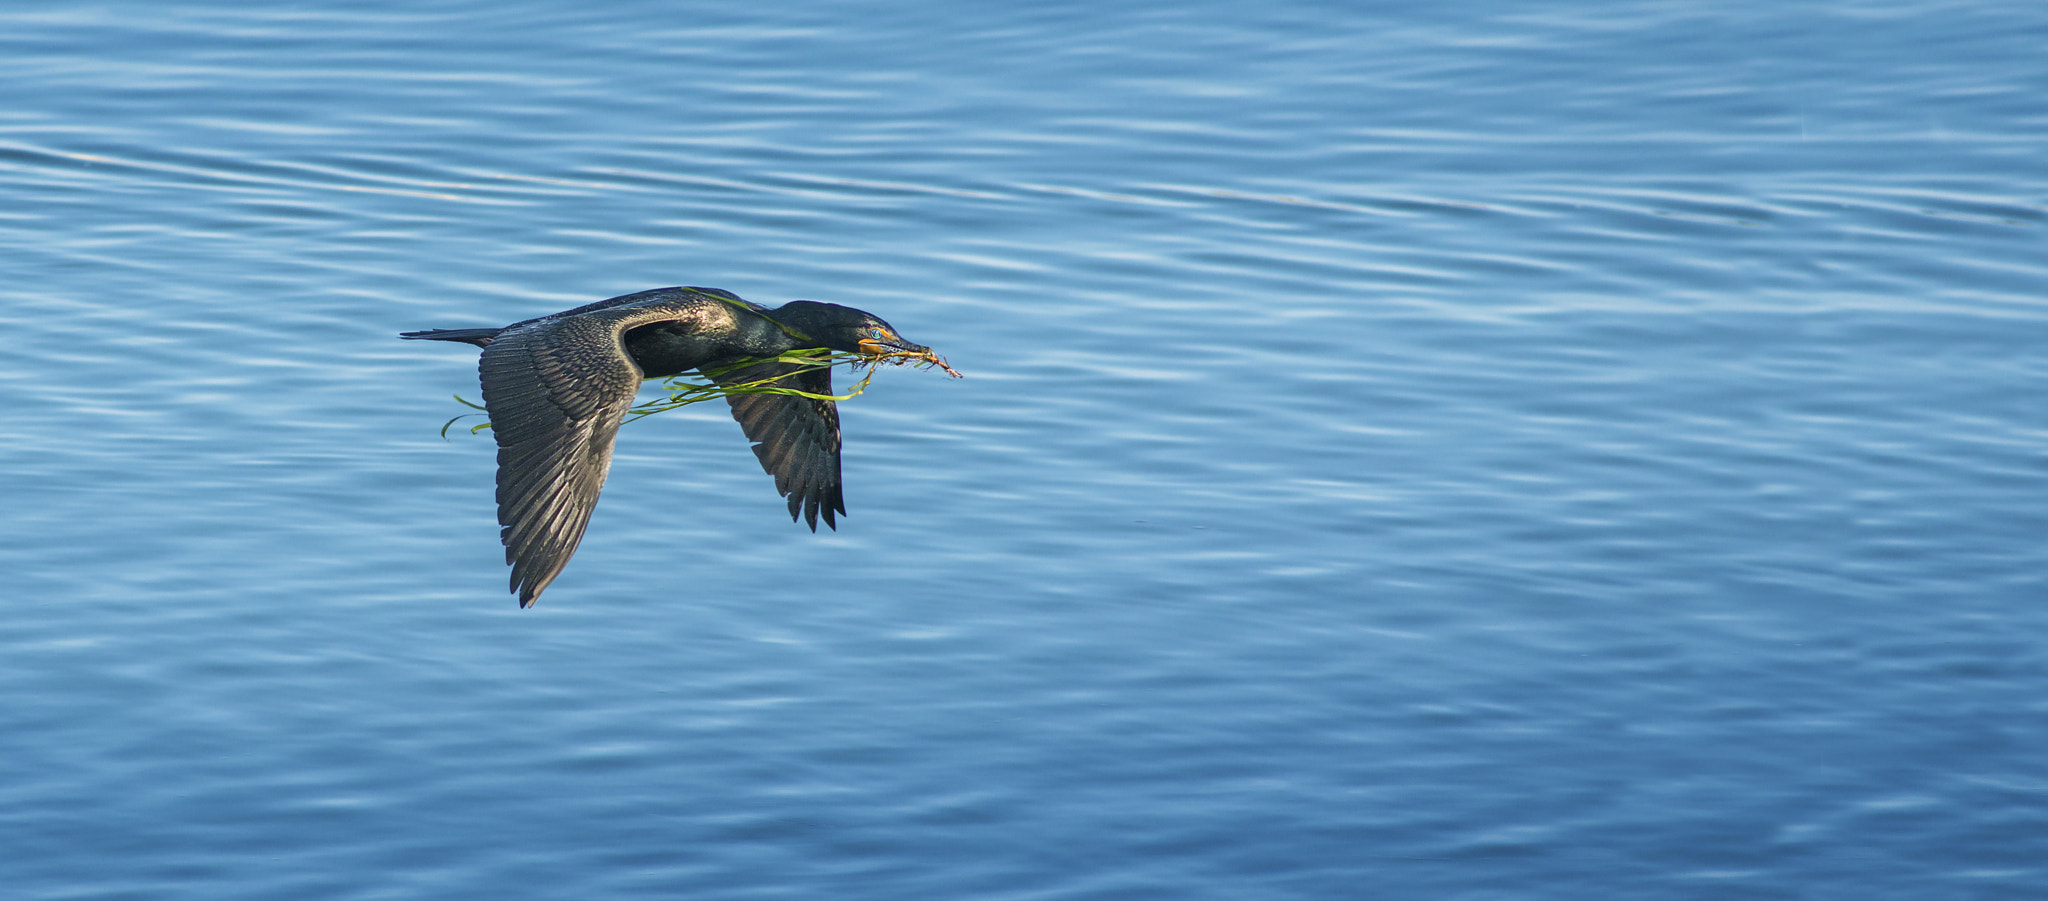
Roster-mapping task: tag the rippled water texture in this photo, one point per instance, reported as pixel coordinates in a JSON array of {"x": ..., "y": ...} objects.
[{"x": 1482, "y": 451}]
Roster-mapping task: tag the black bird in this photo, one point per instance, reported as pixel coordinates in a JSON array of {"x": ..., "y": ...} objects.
[{"x": 557, "y": 388}]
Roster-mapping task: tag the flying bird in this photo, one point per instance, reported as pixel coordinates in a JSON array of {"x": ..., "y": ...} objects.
[{"x": 558, "y": 387}]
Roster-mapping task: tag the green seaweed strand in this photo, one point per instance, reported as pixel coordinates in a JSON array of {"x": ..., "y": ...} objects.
[{"x": 684, "y": 390}]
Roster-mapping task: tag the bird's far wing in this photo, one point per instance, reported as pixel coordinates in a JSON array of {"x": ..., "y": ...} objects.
[
  {"x": 797, "y": 438},
  {"x": 556, "y": 391}
]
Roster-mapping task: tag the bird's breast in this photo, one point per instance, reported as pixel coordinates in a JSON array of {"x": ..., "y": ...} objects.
[{"x": 670, "y": 348}]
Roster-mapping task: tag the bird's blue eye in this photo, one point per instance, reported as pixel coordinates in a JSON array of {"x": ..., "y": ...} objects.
[{"x": 875, "y": 333}]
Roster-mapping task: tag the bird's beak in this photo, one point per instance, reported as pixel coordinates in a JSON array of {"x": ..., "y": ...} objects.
[
  {"x": 900, "y": 352},
  {"x": 874, "y": 348}
]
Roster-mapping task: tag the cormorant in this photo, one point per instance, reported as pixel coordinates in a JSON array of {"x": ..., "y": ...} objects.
[{"x": 558, "y": 387}]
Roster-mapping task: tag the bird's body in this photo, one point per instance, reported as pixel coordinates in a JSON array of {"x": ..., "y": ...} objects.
[{"x": 558, "y": 387}]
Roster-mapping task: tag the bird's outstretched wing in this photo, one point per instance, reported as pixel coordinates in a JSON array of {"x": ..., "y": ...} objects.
[
  {"x": 797, "y": 438},
  {"x": 556, "y": 390}
]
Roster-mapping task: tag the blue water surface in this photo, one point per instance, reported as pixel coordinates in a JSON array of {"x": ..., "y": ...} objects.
[{"x": 1459, "y": 451}]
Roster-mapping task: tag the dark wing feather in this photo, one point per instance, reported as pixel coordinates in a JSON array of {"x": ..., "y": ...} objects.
[
  {"x": 796, "y": 438},
  {"x": 556, "y": 391}
]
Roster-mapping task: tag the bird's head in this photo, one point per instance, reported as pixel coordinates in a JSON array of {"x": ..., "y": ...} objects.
[{"x": 846, "y": 329}]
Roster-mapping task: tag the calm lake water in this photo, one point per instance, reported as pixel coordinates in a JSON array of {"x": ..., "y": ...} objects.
[{"x": 1477, "y": 451}]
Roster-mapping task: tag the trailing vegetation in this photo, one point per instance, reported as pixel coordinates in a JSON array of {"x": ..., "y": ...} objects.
[{"x": 697, "y": 387}]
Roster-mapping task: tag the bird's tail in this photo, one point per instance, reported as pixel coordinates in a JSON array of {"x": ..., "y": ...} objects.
[{"x": 476, "y": 336}]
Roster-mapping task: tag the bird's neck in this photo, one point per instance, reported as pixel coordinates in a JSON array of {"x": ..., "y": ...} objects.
[
  {"x": 721, "y": 335},
  {"x": 760, "y": 336}
]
